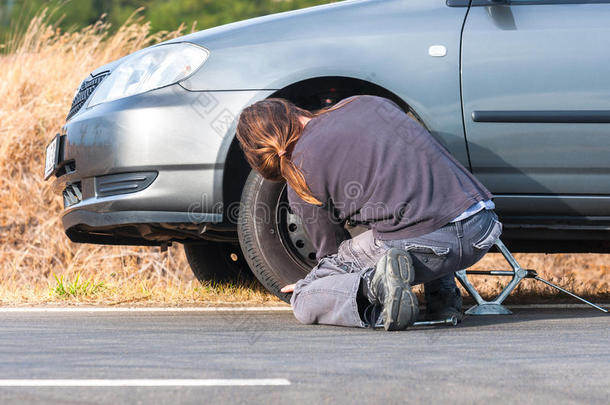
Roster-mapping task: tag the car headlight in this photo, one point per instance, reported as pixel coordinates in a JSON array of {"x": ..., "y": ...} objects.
[{"x": 150, "y": 69}]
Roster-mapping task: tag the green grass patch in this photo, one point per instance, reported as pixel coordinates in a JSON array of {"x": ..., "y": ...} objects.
[{"x": 77, "y": 288}]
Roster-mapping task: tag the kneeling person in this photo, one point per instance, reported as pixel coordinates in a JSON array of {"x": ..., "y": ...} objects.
[{"x": 365, "y": 160}]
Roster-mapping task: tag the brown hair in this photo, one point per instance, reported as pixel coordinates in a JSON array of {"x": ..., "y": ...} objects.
[{"x": 267, "y": 132}]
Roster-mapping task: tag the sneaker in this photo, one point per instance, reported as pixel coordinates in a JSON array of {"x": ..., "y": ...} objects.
[
  {"x": 444, "y": 304},
  {"x": 391, "y": 288}
]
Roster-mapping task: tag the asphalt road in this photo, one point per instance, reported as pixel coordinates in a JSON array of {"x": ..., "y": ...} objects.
[{"x": 534, "y": 356}]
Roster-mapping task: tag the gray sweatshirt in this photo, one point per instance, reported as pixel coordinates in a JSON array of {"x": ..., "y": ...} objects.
[{"x": 368, "y": 161}]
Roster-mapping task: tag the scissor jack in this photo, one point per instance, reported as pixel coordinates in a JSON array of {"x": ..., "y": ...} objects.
[
  {"x": 517, "y": 273},
  {"x": 495, "y": 307}
]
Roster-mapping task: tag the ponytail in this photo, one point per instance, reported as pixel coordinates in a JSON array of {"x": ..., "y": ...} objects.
[{"x": 294, "y": 177}]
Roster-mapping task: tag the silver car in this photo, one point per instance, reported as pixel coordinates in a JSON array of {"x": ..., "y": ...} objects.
[{"x": 517, "y": 90}]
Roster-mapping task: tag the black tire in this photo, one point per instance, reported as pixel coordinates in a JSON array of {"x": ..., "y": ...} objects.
[
  {"x": 217, "y": 261},
  {"x": 265, "y": 229}
]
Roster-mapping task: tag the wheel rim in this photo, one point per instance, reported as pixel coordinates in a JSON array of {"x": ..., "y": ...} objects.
[{"x": 292, "y": 233}]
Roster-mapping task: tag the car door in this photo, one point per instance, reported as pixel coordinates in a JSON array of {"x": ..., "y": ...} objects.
[{"x": 536, "y": 104}]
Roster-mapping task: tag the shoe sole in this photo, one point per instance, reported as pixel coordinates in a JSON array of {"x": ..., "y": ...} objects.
[{"x": 402, "y": 310}]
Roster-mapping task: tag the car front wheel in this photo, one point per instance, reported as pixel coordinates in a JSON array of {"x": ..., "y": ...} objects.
[{"x": 272, "y": 238}]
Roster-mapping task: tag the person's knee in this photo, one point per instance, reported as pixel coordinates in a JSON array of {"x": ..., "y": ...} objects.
[{"x": 300, "y": 309}]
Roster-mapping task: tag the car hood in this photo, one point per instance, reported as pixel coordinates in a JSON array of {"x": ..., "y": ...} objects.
[
  {"x": 292, "y": 24},
  {"x": 238, "y": 32}
]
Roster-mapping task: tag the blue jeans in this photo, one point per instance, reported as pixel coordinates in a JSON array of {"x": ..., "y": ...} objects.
[{"x": 327, "y": 295}]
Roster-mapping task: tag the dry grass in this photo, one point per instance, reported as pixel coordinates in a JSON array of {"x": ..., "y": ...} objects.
[{"x": 38, "y": 75}]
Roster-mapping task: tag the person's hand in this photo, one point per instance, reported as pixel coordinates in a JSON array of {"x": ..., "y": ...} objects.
[{"x": 288, "y": 288}]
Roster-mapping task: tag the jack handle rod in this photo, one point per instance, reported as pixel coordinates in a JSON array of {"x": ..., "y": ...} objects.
[{"x": 571, "y": 294}]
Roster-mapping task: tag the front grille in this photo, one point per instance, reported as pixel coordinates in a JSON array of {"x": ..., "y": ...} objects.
[
  {"x": 84, "y": 91},
  {"x": 72, "y": 194},
  {"x": 123, "y": 183}
]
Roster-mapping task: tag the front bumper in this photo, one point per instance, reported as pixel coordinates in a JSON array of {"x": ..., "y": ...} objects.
[{"x": 148, "y": 169}]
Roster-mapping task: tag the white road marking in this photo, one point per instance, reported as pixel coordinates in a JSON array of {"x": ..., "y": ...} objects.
[
  {"x": 144, "y": 309},
  {"x": 146, "y": 382}
]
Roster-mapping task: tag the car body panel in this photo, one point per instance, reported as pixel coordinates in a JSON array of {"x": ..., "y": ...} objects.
[{"x": 533, "y": 58}]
